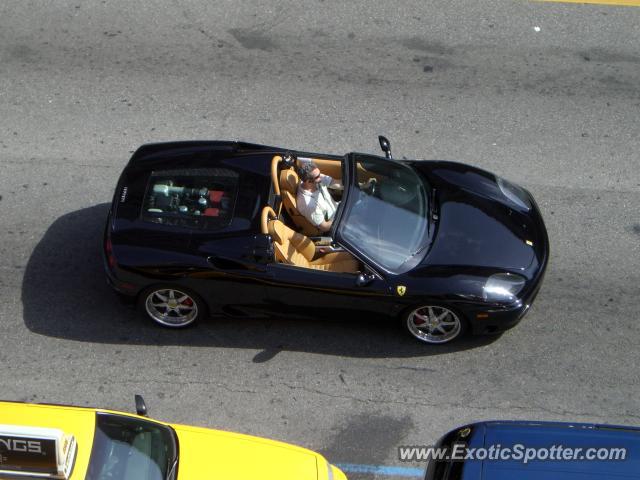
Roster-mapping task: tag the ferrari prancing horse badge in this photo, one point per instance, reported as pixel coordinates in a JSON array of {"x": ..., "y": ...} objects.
[{"x": 401, "y": 289}]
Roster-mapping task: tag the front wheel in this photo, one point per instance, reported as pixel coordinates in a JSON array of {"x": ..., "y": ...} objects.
[
  {"x": 434, "y": 324},
  {"x": 172, "y": 306}
]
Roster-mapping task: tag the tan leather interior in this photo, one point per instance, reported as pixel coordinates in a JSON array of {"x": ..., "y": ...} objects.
[
  {"x": 267, "y": 214},
  {"x": 293, "y": 248},
  {"x": 333, "y": 168},
  {"x": 274, "y": 173},
  {"x": 289, "y": 181},
  {"x": 290, "y": 246}
]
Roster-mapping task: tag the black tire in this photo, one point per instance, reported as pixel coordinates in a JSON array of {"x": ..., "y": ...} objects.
[
  {"x": 172, "y": 306},
  {"x": 434, "y": 324}
]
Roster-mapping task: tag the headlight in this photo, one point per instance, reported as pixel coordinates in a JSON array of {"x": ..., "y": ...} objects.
[
  {"x": 513, "y": 192},
  {"x": 503, "y": 287}
]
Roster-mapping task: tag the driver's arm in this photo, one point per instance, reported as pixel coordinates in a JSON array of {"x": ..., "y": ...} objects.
[
  {"x": 329, "y": 181},
  {"x": 335, "y": 183},
  {"x": 318, "y": 218},
  {"x": 325, "y": 226}
]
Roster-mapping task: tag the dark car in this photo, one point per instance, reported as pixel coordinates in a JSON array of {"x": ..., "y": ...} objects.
[
  {"x": 212, "y": 227},
  {"x": 505, "y": 450}
]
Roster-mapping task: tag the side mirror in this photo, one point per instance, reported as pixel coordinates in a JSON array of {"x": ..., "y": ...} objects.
[
  {"x": 141, "y": 407},
  {"x": 385, "y": 145},
  {"x": 364, "y": 279}
]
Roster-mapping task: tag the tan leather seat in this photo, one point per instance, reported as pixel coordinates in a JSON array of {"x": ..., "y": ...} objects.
[
  {"x": 293, "y": 248},
  {"x": 289, "y": 182}
]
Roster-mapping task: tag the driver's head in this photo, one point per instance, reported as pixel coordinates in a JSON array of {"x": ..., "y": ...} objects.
[{"x": 309, "y": 173}]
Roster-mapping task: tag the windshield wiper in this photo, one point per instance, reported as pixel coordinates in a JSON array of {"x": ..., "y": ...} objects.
[
  {"x": 432, "y": 205},
  {"x": 433, "y": 216},
  {"x": 421, "y": 249}
]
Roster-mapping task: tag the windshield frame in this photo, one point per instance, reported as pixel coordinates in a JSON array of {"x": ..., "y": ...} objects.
[
  {"x": 168, "y": 433},
  {"x": 349, "y": 199}
]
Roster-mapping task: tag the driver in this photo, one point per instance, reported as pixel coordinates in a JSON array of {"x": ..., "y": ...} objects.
[{"x": 313, "y": 199}]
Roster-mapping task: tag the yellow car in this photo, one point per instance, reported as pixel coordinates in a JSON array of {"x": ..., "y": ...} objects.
[{"x": 75, "y": 443}]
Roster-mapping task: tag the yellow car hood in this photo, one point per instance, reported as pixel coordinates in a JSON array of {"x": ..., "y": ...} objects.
[{"x": 214, "y": 454}]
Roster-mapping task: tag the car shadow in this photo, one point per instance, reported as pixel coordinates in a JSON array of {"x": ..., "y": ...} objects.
[{"x": 65, "y": 295}]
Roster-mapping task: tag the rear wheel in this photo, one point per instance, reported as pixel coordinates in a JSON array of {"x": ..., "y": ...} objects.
[
  {"x": 171, "y": 306},
  {"x": 434, "y": 324}
]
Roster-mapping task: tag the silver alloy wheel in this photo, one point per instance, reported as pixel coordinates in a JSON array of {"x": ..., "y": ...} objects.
[
  {"x": 171, "y": 307},
  {"x": 433, "y": 324}
]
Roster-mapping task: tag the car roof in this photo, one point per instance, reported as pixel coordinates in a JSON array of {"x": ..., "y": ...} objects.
[
  {"x": 78, "y": 421},
  {"x": 574, "y": 426},
  {"x": 547, "y": 434}
]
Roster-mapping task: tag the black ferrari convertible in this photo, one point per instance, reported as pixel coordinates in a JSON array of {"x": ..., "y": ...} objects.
[{"x": 213, "y": 227}]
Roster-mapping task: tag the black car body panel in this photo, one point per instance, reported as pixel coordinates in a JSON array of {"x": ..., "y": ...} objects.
[
  {"x": 478, "y": 225},
  {"x": 476, "y": 233}
]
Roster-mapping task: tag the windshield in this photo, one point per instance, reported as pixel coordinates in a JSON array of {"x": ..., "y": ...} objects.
[
  {"x": 129, "y": 448},
  {"x": 387, "y": 213}
]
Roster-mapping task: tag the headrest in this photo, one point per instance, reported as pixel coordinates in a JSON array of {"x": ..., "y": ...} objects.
[
  {"x": 275, "y": 161},
  {"x": 289, "y": 180},
  {"x": 266, "y": 214}
]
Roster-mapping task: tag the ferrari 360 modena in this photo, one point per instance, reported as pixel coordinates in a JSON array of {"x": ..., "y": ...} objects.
[{"x": 201, "y": 228}]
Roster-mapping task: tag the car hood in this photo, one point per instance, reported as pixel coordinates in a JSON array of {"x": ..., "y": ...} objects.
[
  {"x": 478, "y": 226},
  {"x": 205, "y": 453}
]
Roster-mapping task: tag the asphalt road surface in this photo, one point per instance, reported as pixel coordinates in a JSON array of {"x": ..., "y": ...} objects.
[{"x": 545, "y": 94}]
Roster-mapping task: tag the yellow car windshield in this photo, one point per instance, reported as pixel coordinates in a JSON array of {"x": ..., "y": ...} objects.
[{"x": 129, "y": 448}]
